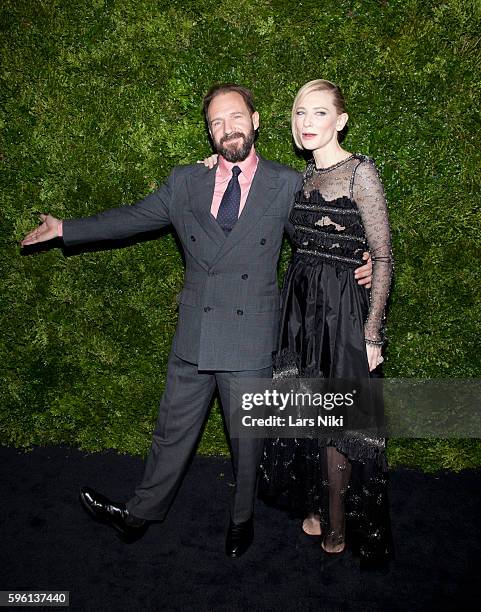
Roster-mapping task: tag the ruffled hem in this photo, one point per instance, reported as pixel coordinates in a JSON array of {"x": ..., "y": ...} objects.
[{"x": 362, "y": 449}]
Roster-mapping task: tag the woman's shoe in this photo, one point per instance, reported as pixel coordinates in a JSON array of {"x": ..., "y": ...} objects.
[
  {"x": 334, "y": 552},
  {"x": 336, "y": 538},
  {"x": 309, "y": 520}
]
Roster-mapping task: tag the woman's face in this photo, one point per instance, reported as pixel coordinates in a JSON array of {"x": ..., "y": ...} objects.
[{"x": 316, "y": 120}]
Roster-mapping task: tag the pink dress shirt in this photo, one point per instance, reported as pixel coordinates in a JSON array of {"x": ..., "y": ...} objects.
[{"x": 224, "y": 174}]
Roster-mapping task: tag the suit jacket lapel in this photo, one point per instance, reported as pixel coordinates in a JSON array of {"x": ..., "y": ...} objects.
[
  {"x": 261, "y": 194},
  {"x": 201, "y": 190}
]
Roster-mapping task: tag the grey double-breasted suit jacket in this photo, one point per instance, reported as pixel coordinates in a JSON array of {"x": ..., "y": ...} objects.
[{"x": 229, "y": 305}]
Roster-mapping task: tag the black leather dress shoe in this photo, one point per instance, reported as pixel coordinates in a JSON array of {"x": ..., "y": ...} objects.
[
  {"x": 239, "y": 538},
  {"x": 101, "y": 509}
]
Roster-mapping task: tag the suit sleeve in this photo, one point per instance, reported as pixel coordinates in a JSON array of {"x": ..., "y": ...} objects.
[
  {"x": 148, "y": 214},
  {"x": 296, "y": 186}
]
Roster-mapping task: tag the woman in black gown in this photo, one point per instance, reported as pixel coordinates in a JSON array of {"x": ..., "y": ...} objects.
[{"x": 332, "y": 328}]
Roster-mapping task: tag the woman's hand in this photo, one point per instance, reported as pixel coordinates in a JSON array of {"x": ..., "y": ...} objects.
[
  {"x": 374, "y": 357},
  {"x": 209, "y": 162}
]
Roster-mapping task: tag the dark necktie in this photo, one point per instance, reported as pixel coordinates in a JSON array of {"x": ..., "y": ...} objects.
[{"x": 230, "y": 203}]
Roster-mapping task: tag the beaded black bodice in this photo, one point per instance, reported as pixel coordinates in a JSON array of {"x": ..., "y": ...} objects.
[{"x": 341, "y": 213}]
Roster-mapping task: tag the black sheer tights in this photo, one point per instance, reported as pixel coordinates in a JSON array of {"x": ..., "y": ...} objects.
[{"x": 331, "y": 519}]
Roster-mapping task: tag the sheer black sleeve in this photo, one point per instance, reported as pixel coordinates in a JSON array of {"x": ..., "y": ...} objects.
[{"x": 368, "y": 193}]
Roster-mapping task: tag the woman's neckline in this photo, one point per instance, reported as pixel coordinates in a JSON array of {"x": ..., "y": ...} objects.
[{"x": 336, "y": 165}]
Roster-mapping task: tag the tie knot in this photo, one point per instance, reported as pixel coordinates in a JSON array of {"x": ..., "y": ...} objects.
[{"x": 236, "y": 171}]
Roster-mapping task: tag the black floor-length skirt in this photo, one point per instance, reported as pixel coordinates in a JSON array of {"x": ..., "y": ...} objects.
[{"x": 322, "y": 336}]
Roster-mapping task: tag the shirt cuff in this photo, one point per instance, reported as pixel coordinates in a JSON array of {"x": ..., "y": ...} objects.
[{"x": 60, "y": 229}]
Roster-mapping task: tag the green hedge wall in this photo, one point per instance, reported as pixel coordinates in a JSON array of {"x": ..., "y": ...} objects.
[{"x": 100, "y": 98}]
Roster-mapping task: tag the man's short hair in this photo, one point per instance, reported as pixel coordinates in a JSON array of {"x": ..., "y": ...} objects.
[{"x": 223, "y": 88}]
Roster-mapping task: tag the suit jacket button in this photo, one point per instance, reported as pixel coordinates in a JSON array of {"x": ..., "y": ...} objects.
[
  {"x": 192, "y": 238},
  {"x": 263, "y": 241},
  {"x": 245, "y": 276},
  {"x": 207, "y": 309},
  {"x": 240, "y": 312}
]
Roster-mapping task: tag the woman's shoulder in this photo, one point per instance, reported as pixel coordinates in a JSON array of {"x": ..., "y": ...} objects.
[
  {"x": 363, "y": 159},
  {"x": 364, "y": 168}
]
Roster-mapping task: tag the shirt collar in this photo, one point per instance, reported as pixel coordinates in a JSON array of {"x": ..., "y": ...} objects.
[{"x": 248, "y": 166}]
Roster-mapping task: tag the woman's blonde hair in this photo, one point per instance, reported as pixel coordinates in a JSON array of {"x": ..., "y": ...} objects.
[{"x": 316, "y": 85}]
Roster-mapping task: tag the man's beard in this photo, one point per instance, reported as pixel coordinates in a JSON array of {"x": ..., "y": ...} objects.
[{"x": 240, "y": 153}]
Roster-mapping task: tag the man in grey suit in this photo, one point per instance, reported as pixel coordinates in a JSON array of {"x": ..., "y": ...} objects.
[{"x": 230, "y": 223}]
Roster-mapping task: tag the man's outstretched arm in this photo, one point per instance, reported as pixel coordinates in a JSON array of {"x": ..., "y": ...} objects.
[{"x": 150, "y": 213}]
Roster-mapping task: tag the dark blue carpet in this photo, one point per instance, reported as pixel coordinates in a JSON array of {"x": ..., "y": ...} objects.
[{"x": 48, "y": 542}]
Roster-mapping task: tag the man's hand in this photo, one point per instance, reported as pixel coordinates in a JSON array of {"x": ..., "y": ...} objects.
[
  {"x": 48, "y": 230},
  {"x": 363, "y": 274},
  {"x": 209, "y": 162}
]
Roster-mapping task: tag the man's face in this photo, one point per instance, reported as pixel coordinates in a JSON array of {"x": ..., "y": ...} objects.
[{"x": 232, "y": 126}]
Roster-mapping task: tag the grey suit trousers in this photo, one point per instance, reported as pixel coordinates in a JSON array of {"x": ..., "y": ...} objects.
[{"x": 182, "y": 412}]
